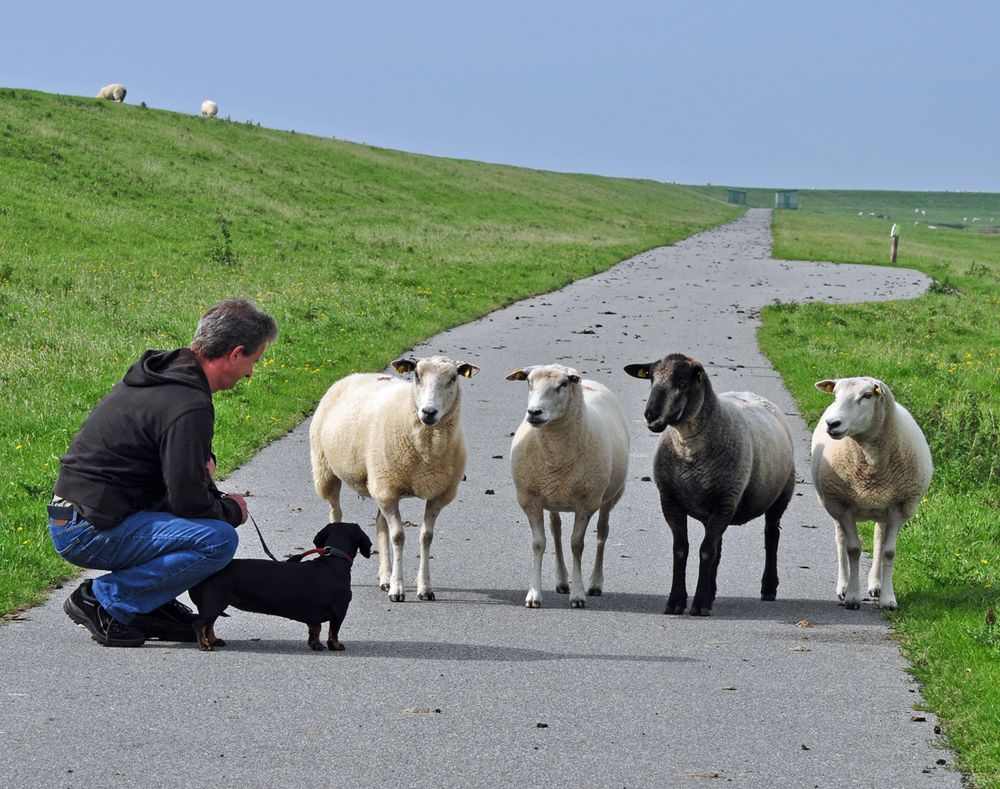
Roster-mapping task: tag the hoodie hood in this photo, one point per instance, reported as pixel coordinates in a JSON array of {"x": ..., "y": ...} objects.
[{"x": 158, "y": 368}]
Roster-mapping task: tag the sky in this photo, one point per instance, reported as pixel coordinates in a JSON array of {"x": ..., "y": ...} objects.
[{"x": 827, "y": 94}]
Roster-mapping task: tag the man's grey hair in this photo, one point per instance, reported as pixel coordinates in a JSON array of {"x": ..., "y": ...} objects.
[{"x": 231, "y": 323}]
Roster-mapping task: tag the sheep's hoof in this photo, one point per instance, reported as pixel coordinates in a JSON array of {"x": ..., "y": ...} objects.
[
  {"x": 384, "y": 587},
  {"x": 675, "y": 606},
  {"x": 426, "y": 596},
  {"x": 841, "y": 595},
  {"x": 532, "y": 603},
  {"x": 577, "y": 603},
  {"x": 888, "y": 605},
  {"x": 874, "y": 591},
  {"x": 562, "y": 588},
  {"x": 399, "y": 597},
  {"x": 594, "y": 591}
]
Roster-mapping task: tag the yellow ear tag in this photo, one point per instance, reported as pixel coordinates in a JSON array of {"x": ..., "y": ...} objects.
[
  {"x": 878, "y": 391},
  {"x": 643, "y": 372}
]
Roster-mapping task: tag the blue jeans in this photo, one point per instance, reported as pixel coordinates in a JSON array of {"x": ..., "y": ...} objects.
[{"x": 152, "y": 556}]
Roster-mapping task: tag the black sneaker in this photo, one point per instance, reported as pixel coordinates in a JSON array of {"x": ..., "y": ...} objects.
[
  {"x": 172, "y": 621},
  {"x": 82, "y": 607}
]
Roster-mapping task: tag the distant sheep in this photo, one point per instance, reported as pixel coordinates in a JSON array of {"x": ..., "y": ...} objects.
[
  {"x": 113, "y": 92},
  {"x": 388, "y": 440},
  {"x": 870, "y": 461},
  {"x": 724, "y": 460},
  {"x": 570, "y": 454},
  {"x": 209, "y": 108}
]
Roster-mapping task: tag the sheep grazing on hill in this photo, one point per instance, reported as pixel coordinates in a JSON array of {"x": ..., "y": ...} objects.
[
  {"x": 388, "y": 440},
  {"x": 724, "y": 460},
  {"x": 870, "y": 461},
  {"x": 570, "y": 454},
  {"x": 209, "y": 109},
  {"x": 114, "y": 92}
]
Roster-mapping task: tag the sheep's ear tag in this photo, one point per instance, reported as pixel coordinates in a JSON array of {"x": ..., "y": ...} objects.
[
  {"x": 878, "y": 390},
  {"x": 517, "y": 375},
  {"x": 642, "y": 372}
]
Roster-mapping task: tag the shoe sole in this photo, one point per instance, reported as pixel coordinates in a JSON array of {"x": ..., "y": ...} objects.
[{"x": 73, "y": 612}]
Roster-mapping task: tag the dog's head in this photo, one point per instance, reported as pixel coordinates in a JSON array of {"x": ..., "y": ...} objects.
[{"x": 347, "y": 537}]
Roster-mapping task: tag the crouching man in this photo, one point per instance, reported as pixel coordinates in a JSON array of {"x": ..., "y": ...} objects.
[{"x": 134, "y": 496}]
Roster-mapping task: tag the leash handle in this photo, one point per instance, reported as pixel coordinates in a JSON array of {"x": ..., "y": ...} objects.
[{"x": 262, "y": 543}]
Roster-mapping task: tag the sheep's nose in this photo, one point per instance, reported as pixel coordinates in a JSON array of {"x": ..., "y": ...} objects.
[
  {"x": 832, "y": 424},
  {"x": 429, "y": 414},
  {"x": 534, "y": 413}
]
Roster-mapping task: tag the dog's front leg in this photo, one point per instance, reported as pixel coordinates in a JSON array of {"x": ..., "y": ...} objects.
[{"x": 333, "y": 638}]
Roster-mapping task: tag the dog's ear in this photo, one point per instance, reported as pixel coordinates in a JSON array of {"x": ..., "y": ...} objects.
[
  {"x": 364, "y": 544},
  {"x": 320, "y": 539}
]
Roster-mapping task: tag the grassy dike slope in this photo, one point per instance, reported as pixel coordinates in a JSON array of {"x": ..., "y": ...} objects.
[
  {"x": 940, "y": 355},
  {"x": 119, "y": 225}
]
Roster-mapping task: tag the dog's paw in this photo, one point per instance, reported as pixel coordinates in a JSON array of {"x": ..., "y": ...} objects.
[
  {"x": 335, "y": 646},
  {"x": 316, "y": 646}
]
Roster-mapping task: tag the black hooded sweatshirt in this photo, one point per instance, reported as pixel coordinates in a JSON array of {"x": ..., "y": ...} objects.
[{"x": 145, "y": 446}]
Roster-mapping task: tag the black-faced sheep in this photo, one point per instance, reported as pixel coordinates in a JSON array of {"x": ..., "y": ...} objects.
[
  {"x": 389, "y": 440},
  {"x": 570, "y": 454},
  {"x": 724, "y": 460},
  {"x": 870, "y": 461},
  {"x": 113, "y": 92}
]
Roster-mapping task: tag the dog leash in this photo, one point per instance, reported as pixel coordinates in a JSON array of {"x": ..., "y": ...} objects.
[{"x": 262, "y": 543}]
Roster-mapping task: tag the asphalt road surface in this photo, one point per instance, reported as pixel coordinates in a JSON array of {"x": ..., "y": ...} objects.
[{"x": 474, "y": 689}]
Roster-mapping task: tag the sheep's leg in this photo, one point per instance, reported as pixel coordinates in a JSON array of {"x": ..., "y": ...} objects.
[
  {"x": 576, "y": 596},
  {"x": 849, "y": 556},
  {"x": 677, "y": 520},
  {"x": 384, "y": 555},
  {"x": 390, "y": 510},
  {"x": 708, "y": 565},
  {"x": 431, "y": 512},
  {"x": 772, "y": 534},
  {"x": 536, "y": 518},
  {"x": 562, "y": 577},
  {"x": 597, "y": 577},
  {"x": 883, "y": 557}
]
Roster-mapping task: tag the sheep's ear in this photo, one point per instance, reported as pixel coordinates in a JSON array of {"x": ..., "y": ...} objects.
[
  {"x": 574, "y": 379},
  {"x": 468, "y": 370},
  {"x": 698, "y": 372},
  {"x": 643, "y": 371},
  {"x": 403, "y": 366},
  {"x": 825, "y": 386},
  {"x": 518, "y": 375},
  {"x": 878, "y": 390}
]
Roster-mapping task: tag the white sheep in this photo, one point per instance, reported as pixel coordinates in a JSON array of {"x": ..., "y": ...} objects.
[
  {"x": 209, "y": 109},
  {"x": 570, "y": 454},
  {"x": 870, "y": 461},
  {"x": 724, "y": 460},
  {"x": 388, "y": 440},
  {"x": 113, "y": 92}
]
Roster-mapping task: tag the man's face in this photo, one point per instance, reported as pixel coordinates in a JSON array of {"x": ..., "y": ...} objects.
[{"x": 239, "y": 364}]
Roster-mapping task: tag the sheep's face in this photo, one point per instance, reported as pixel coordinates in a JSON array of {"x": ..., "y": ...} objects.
[
  {"x": 858, "y": 405},
  {"x": 677, "y": 390},
  {"x": 551, "y": 389},
  {"x": 435, "y": 385}
]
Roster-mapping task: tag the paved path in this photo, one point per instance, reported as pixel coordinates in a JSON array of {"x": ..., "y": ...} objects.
[{"x": 476, "y": 690}]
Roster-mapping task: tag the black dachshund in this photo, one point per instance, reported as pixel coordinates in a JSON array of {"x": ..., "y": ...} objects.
[{"x": 312, "y": 592}]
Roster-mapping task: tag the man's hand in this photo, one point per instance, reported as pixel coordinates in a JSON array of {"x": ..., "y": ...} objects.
[{"x": 243, "y": 505}]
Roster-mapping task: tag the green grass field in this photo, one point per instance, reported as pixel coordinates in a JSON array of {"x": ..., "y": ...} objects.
[
  {"x": 119, "y": 225},
  {"x": 940, "y": 355}
]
